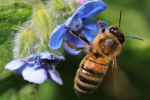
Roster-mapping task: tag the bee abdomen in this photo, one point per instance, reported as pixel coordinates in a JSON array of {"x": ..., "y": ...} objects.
[
  {"x": 91, "y": 72},
  {"x": 85, "y": 85},
  {"x": 87, "y": 80},
  {"x": 89, "y": 75}
]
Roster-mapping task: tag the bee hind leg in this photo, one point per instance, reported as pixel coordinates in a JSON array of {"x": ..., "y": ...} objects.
[
  {"x": 76, "y": 48},
  {"x": 76, "y": 34}
]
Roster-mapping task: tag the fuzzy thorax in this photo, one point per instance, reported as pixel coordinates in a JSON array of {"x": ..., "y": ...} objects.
[{"x": 106, "y": 45}]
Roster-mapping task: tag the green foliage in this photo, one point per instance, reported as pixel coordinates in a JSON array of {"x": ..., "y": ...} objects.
[
  {"x": 15, "y": 88},
  {"x": 6, "y": 56},
  {"x": 4, "y": 2},
  {"x": 48, "y": 91},
  {"x": 12, "y": 15},
  {"x": 28, "y": 92}
]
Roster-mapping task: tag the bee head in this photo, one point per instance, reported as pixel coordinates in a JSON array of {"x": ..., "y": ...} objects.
[
  {"x": 115, "y": 30},
  {"x": 118, "y": 33}
]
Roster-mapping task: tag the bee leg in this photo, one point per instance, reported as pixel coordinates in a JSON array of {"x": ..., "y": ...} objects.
[
  {"x": 101, "y": 26},
  {"x": 76, "y": 34},
  {"x": 75, "y": 48}
]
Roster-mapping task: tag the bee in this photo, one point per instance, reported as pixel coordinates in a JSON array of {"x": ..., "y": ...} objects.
[{"x": 104, "y": 49}]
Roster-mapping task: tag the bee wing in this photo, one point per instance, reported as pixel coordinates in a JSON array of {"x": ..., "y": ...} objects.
[
  {"x": 122, "y": 86},
  {"x": 119, "y": 85}
]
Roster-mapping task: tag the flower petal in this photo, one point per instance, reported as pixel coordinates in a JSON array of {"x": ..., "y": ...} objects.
[
  {"x": 20, "y": 69},
  {"x": 88, "y": 10},
  {"x": 68, "y": 21},
  {"x": 91, "y": 8},
  {"x": 14, "y": 64},
  {"x": 57, "y": 37},
  {"x": 59, "y": 58},
  {"x": 74, "y": 22},
  {"x": 36, "y": 66},
  {"x": 75, "y": 41},
  {"x": 45, "y": 55},
  {"x": 90, "y": 29},
  {"x": 55, "y": 76},
  {"x": 34, "y": 75},
  {"x": 32, "y": 57},
  {"x": 54, "y": 63}
]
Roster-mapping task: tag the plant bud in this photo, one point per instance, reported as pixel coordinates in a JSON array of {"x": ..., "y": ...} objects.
[
  {"x": 43, "y": 22},
  {"x": 63, "y": 7},
  {"x": 59, "y": 4},
  {"x": 24, "y": 43}
]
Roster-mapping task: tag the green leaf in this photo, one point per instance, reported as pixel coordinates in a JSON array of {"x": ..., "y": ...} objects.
[
  {"x": 28, "y": 92},
  {"x": 11, "y": 16},
  {"x": 49, "y": 91},
  {"x": 15, "y": 88},
  {"x": 7, "y": 91},
  {"x": 11, "y": 94},
  {"x": 4, "y": 2},
  {"x": 6, "y": 56}
]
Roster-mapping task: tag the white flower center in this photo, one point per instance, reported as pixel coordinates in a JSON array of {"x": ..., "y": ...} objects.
[{"x": 76, "y": 25}]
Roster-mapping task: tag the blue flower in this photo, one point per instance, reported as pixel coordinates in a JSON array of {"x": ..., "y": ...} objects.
[
  {"x": 37, "y": 68},
  {"x": 80, "y": 21}
]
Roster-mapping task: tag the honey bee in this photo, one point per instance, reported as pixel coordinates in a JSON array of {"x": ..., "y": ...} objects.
[{"x": 104, "y": 48}]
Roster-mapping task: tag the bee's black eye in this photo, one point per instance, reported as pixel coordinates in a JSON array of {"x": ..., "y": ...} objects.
[
  {"x": 121, "y": 39},
  {"x": 113, "y": 30}
]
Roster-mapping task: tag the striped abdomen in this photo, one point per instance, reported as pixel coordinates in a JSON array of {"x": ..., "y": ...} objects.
[{"x": 89, "y": 75}]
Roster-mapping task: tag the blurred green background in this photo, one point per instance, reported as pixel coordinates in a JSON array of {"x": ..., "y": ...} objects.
[{"x": 131, "y": 81}]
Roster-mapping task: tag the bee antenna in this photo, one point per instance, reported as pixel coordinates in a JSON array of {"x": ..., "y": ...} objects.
[
  {"x": 120, "y": 17},
  {"x": 134, "y": 37}
]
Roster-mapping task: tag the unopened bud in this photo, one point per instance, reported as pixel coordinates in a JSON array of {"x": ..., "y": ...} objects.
[
  {"x": 63, "y": 7},
  {"x": 24, "y": 42},
  {"x": 43, "y": 23}
]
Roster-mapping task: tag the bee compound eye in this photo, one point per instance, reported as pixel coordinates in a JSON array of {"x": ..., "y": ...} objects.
[
  {"x": 113, "y": 30},
  {"x": 121, "y": 39}
]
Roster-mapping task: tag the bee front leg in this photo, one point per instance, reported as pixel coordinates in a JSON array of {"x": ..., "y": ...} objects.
[
  {"x": 76, "y": 34},
  {"x": 75, "y": 48},
  {"x": 101, "y": 26}
]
